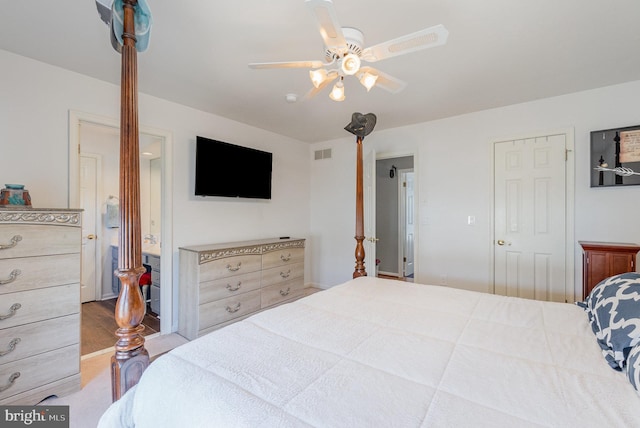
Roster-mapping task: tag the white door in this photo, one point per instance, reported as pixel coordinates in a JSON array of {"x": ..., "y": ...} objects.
[
  {"x": 407, "y": 226},
  {"x": 89, "y": 166},
  {"x": 530, "y": 218},
  {"x": 369, "y": 188}
]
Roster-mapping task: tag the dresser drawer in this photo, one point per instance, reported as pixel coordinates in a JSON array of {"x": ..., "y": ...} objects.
[
  {"x": 27, "y": 273},
  {"x": 38, "y": 370},
  {"x": 25, "y": 307},
  {"x": 38, "y": 337},
  {"x": 230, "y": 286},
  {"x": 282, "y": 257},
  {"x": 278, "y": 275},
  {"x": 227, "y": 309},
  {"x": 277, "y": 293},
  {"x": 229, "y": 266},
  {"x": 33, "y": 240}
]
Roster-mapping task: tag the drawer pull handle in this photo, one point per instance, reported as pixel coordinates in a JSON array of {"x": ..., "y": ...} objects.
[
  {"x": 284, "y": 293},
  {"x": 285, "y": 258},
  {"x": 12, "y": 277},
  {"x": 232, "y": 310},
  {"x": 14, "y": 242},
  {"x": 12, "y": 311},
  {"x": 234, "y": 269},
  {"x": 236, "y": 288},
  {"x": 285, "y": 275},
  {"x": 12, "y": 379},
  {"x": 11, "y": 348}
]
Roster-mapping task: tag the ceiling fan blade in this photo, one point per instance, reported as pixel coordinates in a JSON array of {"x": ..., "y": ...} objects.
[
  {"x": 427, "y": 38},
  {"x": 385, "y": 81},
  {"x": 314, "y": 91},
  {"x": 327, "y": 20},
  {"x": 289, "y": 64}
]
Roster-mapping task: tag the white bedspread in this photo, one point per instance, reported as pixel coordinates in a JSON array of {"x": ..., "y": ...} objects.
[{"x": 381, "y": 353}]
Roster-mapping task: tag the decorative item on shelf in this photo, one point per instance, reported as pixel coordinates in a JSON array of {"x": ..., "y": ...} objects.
[{"x": 15, "y": 195}]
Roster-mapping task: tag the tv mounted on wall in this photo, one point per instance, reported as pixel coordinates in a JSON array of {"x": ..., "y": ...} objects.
[{"x": 228, "y": 170}]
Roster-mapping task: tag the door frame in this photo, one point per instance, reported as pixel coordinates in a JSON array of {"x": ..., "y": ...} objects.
[
  {"x": 98, "y": 252},
  {"x": 570, "y": 286},
  {"x": 169, "y": 318},
  {"x": 402, "y": 217},
  {"x": 416, "y": 190}
]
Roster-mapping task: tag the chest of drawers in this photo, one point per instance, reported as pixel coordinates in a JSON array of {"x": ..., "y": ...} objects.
[
  {"x": 39, "y": 304},
  {"x": 601, "y": 260},
  {"x": 223, "y": 283}
]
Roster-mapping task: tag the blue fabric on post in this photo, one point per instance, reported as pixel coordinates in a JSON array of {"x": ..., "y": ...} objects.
[{"x": 143, "y": 22}]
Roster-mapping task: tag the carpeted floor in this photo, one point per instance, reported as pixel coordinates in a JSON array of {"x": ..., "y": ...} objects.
[{"x": 87, "y": 405}]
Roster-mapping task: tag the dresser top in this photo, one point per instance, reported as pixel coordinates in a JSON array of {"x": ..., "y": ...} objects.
[
  {"x": 611, "y": 246},
  {"x": 60, "y": 216},
  {"x": 240, "y": 244},
  {"x": 19, "y": 208}
]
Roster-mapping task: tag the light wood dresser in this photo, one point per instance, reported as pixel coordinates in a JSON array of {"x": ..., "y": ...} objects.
[
  {"x": 39, "y": 304},
  {"x": 223, "y": 283}
]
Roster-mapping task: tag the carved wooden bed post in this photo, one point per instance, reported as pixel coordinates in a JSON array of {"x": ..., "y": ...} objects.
[
  {"x": 130, "y": 358},
  {"x": 360, "y": 268},
  {"x": 361, "y": 125}
]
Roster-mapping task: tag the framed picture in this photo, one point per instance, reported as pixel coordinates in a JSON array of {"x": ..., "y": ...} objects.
[{"x": 615, "y": 157}]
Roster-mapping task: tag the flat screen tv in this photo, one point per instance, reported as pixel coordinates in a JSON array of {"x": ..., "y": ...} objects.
[{"x": 228, "y": 170}]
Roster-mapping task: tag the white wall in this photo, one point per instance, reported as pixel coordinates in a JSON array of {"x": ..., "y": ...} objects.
[
  {"x": 452, "y": 171},
  {"x": 453, "y": 181},
  {"x": 34, "y": 108}
]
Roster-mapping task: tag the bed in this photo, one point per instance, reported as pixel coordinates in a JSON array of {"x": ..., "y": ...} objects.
[{"x": 374, "y": 352}]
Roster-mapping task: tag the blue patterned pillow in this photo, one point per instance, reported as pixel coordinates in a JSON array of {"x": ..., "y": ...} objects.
[
  {"x": 613, "y": 307},
  {"x": 633, "y": 367}
]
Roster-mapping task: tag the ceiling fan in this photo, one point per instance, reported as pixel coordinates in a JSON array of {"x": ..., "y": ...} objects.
[{"x": 344, "y": 53}]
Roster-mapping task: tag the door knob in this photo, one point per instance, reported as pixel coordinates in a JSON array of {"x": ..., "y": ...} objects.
[
  {"x": 91, "y": 236},
  {"x": 373, "y": 239},
  {"x": 503, "y": 242}
]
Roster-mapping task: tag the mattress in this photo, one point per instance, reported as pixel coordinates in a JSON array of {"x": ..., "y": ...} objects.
[{"x": 382, "y": 353}]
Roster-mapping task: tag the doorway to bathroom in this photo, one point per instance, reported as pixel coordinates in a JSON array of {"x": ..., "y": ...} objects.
[{"x": 94, "y": 143}]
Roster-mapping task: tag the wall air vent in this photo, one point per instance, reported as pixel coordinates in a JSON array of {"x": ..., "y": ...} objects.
[{"x": 322, "y": 154}]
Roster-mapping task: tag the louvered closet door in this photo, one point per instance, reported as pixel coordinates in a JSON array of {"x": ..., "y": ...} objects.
[{"x": 529, "y": 210}]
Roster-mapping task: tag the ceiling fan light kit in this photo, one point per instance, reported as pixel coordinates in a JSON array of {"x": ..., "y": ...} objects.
[
  {"x": 350, "y": 64},
  {"x": 318, "y": 76},
  {"x": 344, "y": 47},
  {"x": 367, "y": 79},
  {"x": 337, "y": 93}
]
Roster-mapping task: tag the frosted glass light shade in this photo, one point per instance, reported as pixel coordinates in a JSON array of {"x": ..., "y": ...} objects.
[
  {"x": 368, "y": 80},
  {"x": 337, "y": 93},
  {"x": 318, "y": 76}
]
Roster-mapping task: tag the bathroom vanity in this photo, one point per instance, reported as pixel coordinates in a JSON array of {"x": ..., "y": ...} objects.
[{"x": 151, "y": 261}]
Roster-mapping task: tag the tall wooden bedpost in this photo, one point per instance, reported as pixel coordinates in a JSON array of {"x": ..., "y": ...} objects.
[
  {"x": 361, "y": 125},
  {"x": 130, "y": 358},
  {"x": 360, "y": 269}
]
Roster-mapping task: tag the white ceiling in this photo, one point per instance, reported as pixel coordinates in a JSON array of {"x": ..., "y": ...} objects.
[{"x": 499, "y": 52}]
